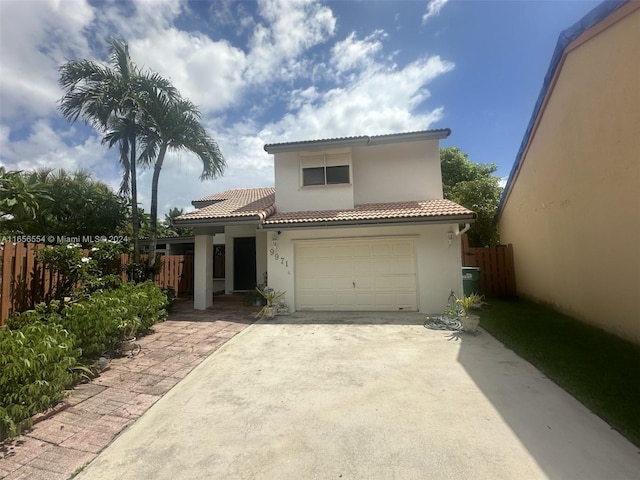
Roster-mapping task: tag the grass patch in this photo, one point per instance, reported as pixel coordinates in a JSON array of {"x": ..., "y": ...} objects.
[{"x": 599, "y": 369}]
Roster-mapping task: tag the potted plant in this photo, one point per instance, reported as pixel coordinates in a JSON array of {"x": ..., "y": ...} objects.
[
  {"x": 128, "y": 329},
  {"x": 468, "y": 320},
  {"x": 271, "y": 298}
]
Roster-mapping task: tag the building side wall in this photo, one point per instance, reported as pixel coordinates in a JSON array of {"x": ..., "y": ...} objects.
[{"x": 573, "y": 214}]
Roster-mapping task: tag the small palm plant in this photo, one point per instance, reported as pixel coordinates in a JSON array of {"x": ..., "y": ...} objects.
[
  {"x": 470, "y": 302},
  {"x": 469, "y": 323},
  {"x": 271, "y": 297}
]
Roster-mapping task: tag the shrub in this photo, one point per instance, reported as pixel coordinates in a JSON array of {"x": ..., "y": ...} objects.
[
  {"x": 145, "y": 302},
  {"x": 35, "y": 368},
  {"x": 40, "y": 350},
  {"x": 170, "y": 293},
  {"x": 106, "y": 256},
  {"x": 42, "y": 313},
  {"x": 94, "y": 323},
  {"x": 72, "y": 267}
]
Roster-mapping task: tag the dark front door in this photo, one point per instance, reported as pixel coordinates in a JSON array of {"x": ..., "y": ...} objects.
[{"x": 244, "y": 263}]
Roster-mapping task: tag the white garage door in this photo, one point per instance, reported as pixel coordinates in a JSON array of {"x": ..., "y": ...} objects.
[{"x": 365, "y": 274}]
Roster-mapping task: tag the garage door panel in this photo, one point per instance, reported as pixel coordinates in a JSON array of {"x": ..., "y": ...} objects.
[
  {"x": 363, "y": 283},
  {"x": 362, "y": 266},
  {"x": 385, "y": 300},
  {"x": 341, "y": 251},
  {"x": 383, "y": 271},
  {"x": 322, "y": 301},
  {"x": 344, "y": 299},
  {"x": 383, "y": 265},
  {"x": 381, "y": 250},
  {"x": 404, "y": 282},
  {"x": 361, "y": 250},
  {"x": 403, "y": 266},
  {"x": 404, "y": 249}
]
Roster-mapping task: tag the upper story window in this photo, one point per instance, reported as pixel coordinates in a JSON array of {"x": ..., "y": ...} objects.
[{"x": 325, "y": 169}]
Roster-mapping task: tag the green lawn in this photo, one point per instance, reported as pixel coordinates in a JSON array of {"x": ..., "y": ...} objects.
[{"x": 601, "y": 370}]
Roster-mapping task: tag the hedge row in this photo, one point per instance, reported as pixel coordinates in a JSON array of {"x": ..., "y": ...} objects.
[{"x": 46, "y": 350}]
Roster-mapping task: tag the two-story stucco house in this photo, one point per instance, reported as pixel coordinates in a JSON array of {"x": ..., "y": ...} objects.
[{"x": 355, "y": 223}]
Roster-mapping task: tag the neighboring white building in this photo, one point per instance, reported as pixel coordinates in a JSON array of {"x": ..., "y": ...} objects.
[{"x": 355, "y": 223}]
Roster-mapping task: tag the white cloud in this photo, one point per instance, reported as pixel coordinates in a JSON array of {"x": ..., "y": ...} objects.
[
  {"x": 33, "y": 42},
  {"x": 379, "y": 101},
  {"x": 208, "y": 73},
  {"x": 292, "y": 27},
  {"x": 351, "y": 53},
  {"x": 135, "y": 19},
  {"x": 433, "y": 9},
  {"x": 45, "y": 146}
]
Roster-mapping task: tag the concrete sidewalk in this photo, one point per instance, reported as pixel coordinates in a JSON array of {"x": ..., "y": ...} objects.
[
  {"x": 94, "y": 413},
  {"x": 365, "y": 397}
]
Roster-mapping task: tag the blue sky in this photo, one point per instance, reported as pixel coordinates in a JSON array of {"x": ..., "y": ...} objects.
[{"x": 274, "y": 71}]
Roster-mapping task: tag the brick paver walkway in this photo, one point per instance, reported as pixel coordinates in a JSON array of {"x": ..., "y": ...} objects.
[{"x": 95, "y": 413}]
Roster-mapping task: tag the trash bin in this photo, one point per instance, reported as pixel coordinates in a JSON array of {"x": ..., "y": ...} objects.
[{"x": 470, "y": 279}]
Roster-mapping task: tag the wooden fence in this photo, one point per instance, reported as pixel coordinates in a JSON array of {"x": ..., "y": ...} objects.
[
  {"x": 24, "y": 283},
  {"x": 497, "y": 274}
]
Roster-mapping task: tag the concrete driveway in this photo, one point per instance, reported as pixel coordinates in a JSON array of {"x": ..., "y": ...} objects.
[{"x": 365, "y": 396}]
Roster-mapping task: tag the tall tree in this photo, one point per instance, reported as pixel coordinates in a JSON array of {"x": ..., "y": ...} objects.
[
  {"x": 174, "y": 124},
  {"x": 474, "y": 186},
  {"x": 66, "y": 204},
  {"x": 21, "y": 201},
  {"x": 170, "y": 226},
  {"x": 112, "y": 99}
]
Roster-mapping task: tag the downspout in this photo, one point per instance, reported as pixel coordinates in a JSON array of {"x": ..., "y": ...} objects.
[{"x": 466, "y": 228}]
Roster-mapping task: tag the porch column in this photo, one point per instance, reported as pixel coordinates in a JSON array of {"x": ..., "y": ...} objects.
[{"x": 203, "y": 272}]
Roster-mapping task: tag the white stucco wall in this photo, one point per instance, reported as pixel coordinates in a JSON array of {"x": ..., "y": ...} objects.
[
  {"x": 394, "y": 172},
  {"x": 397, "y": 172},
  {"x": 438, "y": 263},
  {"x": 291, "y": 197}
]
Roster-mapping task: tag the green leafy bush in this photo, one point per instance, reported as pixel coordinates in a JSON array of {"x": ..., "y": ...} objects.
[
  {"x": 42, "y": 313},
  {"x": 72, "y": 267},
  {"x": 35, "y": 368},
  {"x": 105, "y": 318},
  {"x": 170, "y": 293},
  {"x": 145, "y": 301},
  {"x": 41, "y": 350},
  {"x": 94, "y": 323},
  {"x": 106, "y": 255}
]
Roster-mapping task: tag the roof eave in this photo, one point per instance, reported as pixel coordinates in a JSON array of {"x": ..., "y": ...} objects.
[
  {"x": 359, "y": 141},
  {"x": 217, "y": 222},
  {"x": 468, "y": 218}
]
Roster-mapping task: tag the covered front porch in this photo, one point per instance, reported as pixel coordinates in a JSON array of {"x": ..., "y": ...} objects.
[{"x": 245, "y": 261}]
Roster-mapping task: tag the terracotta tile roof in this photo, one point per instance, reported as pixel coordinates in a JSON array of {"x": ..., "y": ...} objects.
[
  {"x": 238, "y": 202},
  {"x": 375, "y": 211}
]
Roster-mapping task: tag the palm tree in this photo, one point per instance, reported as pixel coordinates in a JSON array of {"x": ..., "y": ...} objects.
[
  {"x": 174, "y": 124},
  {"x": 112, "y": 99},
  {"x": 172, "y": 229},
  {"x": 22, "y": 200}
]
